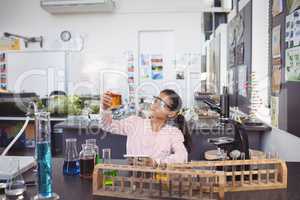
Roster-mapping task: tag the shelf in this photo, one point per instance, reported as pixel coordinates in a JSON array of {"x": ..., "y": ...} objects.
[{"x": 31, "y": 119}]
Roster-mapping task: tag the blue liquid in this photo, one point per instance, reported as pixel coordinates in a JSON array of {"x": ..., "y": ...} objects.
[
  {"x": 71, "y": 168},
  {"x": 44, "y": 169}
]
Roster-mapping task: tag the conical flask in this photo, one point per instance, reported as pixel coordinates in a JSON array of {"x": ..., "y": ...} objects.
[
  {"x": 15, "y": 186},
  {"x": 71, "y": 161}
]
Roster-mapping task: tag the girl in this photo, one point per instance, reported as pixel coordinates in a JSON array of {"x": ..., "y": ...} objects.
[{"x": 154, "y": 137}]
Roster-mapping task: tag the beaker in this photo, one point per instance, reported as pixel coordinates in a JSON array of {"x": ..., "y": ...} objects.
[
  {"x": 44, "y": 157},
  {"x": 87, "y": 160},
  {"x": 71, "y": 162},
  {"x": 116, "y": 101}
]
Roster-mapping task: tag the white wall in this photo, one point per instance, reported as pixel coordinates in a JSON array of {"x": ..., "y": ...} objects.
[
  {"x": 222, "y": 31},
  {"x": 260, "y": 54},
  {"x": 106, "y": 36},
  {"x": 286, "y": 144}
]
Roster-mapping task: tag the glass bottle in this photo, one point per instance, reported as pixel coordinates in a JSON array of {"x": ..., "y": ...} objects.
[
  {"x": 44, "y": 157},
  {"x": 71, "y": 162},
  {"x": 87, "y": 160},
  {"x": 94, "y": 143}
]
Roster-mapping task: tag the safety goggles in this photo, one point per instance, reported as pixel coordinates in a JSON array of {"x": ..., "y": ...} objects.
[{"x": 159, "y": 101}]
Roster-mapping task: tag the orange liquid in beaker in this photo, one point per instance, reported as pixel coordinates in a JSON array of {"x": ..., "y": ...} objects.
[{"x": 116, "y": 100}]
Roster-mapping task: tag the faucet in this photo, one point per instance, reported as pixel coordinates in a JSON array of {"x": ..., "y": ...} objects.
[{"x": 31, "y": 112}]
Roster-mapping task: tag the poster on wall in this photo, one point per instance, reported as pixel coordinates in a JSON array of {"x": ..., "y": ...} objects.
[
  {"x": 292, "y": 64},
  {"x": 242, "y": 80},
  {"x": 292, "y": 5},
  {"x": 145, "y": 66},
  {"x": 276, "y": 42},
  {"x": 9, "y": 44},
  {"x": 276, "y": 79},
  {"x": 277, "y": 7},
  {"x": 157, "y": 67},
  {"x": 292, "y": 29},
  {"x": 3, "y": 71},
  {"x": 274, "y": 111}
]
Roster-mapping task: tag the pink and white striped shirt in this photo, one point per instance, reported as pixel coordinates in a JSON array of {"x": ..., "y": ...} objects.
[{"x": 164, "y": 146}]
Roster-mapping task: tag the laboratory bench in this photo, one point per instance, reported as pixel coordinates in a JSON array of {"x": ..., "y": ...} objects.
[{"x": 76, "y": 188}]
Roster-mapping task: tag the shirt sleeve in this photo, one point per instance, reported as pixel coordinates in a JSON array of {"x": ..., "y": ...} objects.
[
  {"x": 121, "y": 127},
  {"x": 179, "y": 153}
]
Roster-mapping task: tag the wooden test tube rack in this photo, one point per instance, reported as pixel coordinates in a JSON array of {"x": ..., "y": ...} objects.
[
  {"x": 142, "y": 182},
  {"x": 194, "y": 180},
  {"x": 246, "y": 175}
]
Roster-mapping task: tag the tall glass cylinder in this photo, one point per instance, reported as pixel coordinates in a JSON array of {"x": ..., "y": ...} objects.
[{"x": 43, "y": 156}]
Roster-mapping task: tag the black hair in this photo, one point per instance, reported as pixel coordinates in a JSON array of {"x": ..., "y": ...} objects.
[{"x": 179, "y": 121}]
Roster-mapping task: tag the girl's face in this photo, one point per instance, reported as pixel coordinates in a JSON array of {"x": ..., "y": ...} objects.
[{"x": 160, "y": 107}]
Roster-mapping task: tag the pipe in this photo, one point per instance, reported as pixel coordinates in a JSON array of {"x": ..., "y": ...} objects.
[{"x": 16, "y": 138}]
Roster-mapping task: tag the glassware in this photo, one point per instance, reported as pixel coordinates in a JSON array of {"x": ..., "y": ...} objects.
[
  {"x": 44, "y": 157},
  {"x": 71, "y": 162},
  {"x": 106, "y": 156},
  {"x": 87, "y": 160},
  {"x": 116, "y": 101},
  {"x": 96, "y": 148},
  {"x": 15, "y": 186}
]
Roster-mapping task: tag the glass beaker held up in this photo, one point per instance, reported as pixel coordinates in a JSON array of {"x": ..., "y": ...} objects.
[
  {"x": 87, "y": 160},
  {"x": 71, "y": 162},
  {"x": 44, "y": 157}
]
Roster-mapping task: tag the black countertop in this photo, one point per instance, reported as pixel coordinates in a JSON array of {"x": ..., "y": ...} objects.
[{"x": 75, "y": 188}]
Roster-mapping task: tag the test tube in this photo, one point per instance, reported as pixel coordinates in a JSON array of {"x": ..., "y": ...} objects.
[
  {"x": 190, "y": 186},
  {"x": 106, "y": 155},
  {"x": 243, "y": 157},
  {"x": 170, "y": 186},
  {"x": 160, "y": 187},
  {"x": 151, "y": 184},
  {"x": 233, "y": 173},
  {"x": 141, "y": 184},
  {"x": 200, "y": 189},
  {"x": 122, "y": 184},
  {"x": 269, "y": 157},
  {"x": 275, "y": 168},
  {"x": 258, "y": 174},
  {"x": 212, "y": 180},
  {"x": 180, "y": 186}
]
